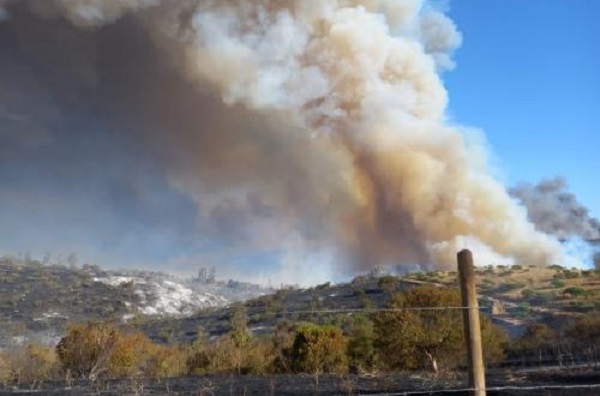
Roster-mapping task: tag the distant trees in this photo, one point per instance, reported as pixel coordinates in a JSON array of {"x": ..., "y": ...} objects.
[
  {"x": 207, "y": 275},
  {"x": 574, "y": 342}
]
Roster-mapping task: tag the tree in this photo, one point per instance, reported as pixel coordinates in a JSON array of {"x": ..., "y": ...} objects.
[
  {"x": 388, "y": 283},
  {"x": 240, "y": 336},
  {"x": 537, "y": 343},
  {"x": 584, "y": 335},
  {"x": 237, "y": 352},
  {"x": 319, "y": 349},
  {"x": 239, "y": 332},
  {"x": 361, "y": 349},
  {"x": 411, "y": 338},
  {"x": 282, "y": 341}
]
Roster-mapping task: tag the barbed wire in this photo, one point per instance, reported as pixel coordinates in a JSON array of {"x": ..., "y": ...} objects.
[
  {"x": 434, "y": 308},
  {"x": 483, "y": 308},
  {"x": 369, "y": 310}
]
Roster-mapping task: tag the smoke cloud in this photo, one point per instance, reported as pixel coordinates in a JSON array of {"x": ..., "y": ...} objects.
[
  {"x": 292, "y": 128},
  {"x": 556, "y": 211}
]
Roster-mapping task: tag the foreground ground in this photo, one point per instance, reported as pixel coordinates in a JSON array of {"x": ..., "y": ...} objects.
[{"x": 499, "y": 382}]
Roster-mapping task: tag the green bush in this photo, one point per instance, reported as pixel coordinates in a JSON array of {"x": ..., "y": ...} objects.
[
  {"x": 361, "y": 350},
  {"x": 571, "y": 274},
  {"x": 574, "y": 291},
  {"x": 514, "y": 286},
  {"x": 527, "y": 292},
  {"x": 524, "y": 309},
  {"x": 557, "y": 283}
]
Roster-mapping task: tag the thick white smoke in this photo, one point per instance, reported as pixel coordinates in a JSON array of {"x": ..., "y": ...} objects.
[{"x": 323, "y": 122}]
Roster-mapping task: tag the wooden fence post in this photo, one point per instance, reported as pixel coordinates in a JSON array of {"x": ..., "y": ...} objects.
[{"x": 472, "y": 325}]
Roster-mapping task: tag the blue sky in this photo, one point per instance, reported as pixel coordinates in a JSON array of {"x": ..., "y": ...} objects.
[{"x": 528, "y": 74}]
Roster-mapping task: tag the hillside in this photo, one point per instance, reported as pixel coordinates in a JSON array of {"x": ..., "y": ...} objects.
[
  {"x": 37, "y": 301},
  {"x": 513, "y": 296}
]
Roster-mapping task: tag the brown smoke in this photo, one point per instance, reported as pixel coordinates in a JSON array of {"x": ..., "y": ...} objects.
[{"x": 307, "y": 126}]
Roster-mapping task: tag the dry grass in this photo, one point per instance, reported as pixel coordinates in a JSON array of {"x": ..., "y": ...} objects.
[{"x": 521, "y": 283}]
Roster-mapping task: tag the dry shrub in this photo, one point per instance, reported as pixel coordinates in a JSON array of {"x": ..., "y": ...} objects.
[
  {"x": 319, "y": 349},
  {"x": 224, "y": 356},
  {"x": 100, "y": 349},
  {"x": 165, "y": 361},
  {"x": 33, "y": 363}
]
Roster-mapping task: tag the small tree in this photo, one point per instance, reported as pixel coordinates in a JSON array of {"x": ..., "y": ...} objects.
[
  {"x": 388, "y": 283},
  {"x": 411, "y": 338},
  {"x": 538, "y": 341},
  {"x": 282, "y": 341},
  {"x": 361, "y": 349},
  {"x": 240, "y": 336},
  {"x": 319, "y": 349}
]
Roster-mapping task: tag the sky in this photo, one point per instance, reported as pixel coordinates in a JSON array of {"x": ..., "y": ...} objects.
[
  {"x": 85, "y": 166},
  {"x": 528, "y": 75}
]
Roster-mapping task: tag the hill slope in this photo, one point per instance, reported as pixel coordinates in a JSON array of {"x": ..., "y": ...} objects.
[
  {"x": 513, "y": 296},
  {"x": 37, "y": 301}
]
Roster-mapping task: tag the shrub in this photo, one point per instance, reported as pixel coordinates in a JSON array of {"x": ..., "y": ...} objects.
[
  {"x": 574, "y": 291},
  {"x": 319, "y": 349},
  {"x": 29, "y": 364},
  {"x": 389, "y": 283},
  {"x": 514, "y": 286},
  {"x": 557, "y": 283},
  {"x": 571, "y": 274},
  {"x": 165, "y": 361},
  {"x": 361, "y": 350},
  {"x": 100, "y": 349},
  {"x": 527, "y": 292},
  {"x": 415, "y": 339},
  {"x": 523, "y": 309}
]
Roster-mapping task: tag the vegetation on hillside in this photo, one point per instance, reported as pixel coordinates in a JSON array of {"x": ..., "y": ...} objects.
[
  {"x": 326, "y": 329},
  {"x": 372, "y": 342}
]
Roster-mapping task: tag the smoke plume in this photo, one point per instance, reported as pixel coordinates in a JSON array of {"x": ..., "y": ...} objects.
[
  {"x": 556, "y": 211},
  {"x": 300, "y": 128}
]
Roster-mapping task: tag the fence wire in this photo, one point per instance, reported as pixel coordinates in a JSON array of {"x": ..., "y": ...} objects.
[{"x": 371, "y": 310}]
